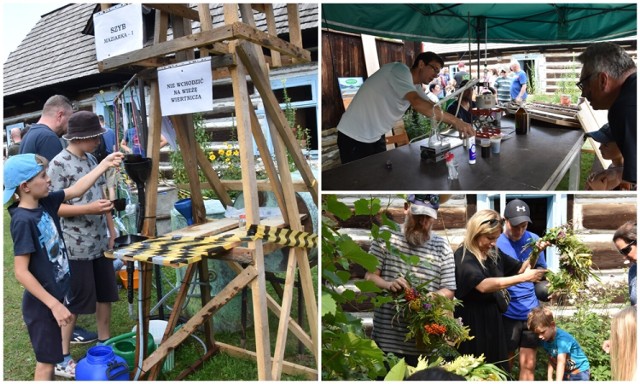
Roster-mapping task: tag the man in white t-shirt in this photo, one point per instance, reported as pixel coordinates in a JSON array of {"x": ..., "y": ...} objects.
[{"x": 382, "y": 101}]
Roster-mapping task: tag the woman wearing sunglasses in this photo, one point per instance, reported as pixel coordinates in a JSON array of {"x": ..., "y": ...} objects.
[
  {"x": 625, "y": 239},
  {"x": 481, "y": 271}
]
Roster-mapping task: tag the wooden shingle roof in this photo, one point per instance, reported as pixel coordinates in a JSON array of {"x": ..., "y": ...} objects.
[{"x": 56, "y": 51}]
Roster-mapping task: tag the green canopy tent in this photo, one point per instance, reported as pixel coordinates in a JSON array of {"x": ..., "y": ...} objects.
[{"x": 493, "y": 23}]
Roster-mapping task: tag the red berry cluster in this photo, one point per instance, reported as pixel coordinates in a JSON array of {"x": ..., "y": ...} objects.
[
  {"x": 410, "y": 294},
  {"x": 435, "y": 329}
]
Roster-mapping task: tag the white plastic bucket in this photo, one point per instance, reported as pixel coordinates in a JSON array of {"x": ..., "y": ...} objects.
[{"x": 156, "y": 329}]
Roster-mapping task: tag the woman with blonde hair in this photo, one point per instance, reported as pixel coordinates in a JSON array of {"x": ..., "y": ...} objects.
[
  {"x": 482, "y": 273},
  {"x": 623, "y": 345}
]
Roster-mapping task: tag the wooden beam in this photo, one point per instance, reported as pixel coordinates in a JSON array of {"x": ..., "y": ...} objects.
[
  {"x": 276, "y": 60},
  {"x": 250, "y": 190},
  {"x": 246, "y": 32},
  {"x": 295, "y": 32},
  {"x": 183, "y": 125},
  {"x": 222, "y": 298},
  {"x": 196, "y": 40},
  {"x": 262, "y": 83},
  {"x": 181, "y": 297},
  {"x": 285, "y": 314},
  {"x": 236, "y": 185},
  {"x": 294, "y": 327},
  {"x": 217, "y": 62},
  {"x": 272, "y": 173},
  {"x": 205, "y": 298},
  {"x": 161, "y": 27},
  {"x": 153, "y": 151},
  {"x": 287, "y": 367},
  {"x": 205, "y": 23},
  {"x": 176, "y": 10},
  {"x": 296, "y": 255}
]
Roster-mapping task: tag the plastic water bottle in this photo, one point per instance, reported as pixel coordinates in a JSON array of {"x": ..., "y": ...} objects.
[
  {"x": 472, "y": 150},
  {"x": 451, "y": 166}
]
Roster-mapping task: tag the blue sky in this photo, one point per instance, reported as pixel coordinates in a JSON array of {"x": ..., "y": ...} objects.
[{"x": 18, "y": 18}]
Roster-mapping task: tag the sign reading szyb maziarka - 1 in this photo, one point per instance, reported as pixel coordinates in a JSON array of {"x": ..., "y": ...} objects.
[
  {"x": 118, "y": 30},
  {"x": 186, "y": 87}
]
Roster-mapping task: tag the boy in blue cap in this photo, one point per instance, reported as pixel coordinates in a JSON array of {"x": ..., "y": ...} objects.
[{"x": 41, "y": 263}]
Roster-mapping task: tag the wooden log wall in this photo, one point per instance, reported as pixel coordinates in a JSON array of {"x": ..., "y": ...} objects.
[
  {"x": 343, "y": 57},
  {"x": 596, "y": 218},
  {"x": 561, "y": 61}
]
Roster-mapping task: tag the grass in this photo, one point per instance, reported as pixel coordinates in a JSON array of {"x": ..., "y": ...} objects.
[
  {"x": 19, "y": 360},
  {"x": 586, "y": 163}
]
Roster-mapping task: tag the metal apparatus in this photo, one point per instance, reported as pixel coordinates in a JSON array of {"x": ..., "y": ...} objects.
[{"x": 438, "y": 145}]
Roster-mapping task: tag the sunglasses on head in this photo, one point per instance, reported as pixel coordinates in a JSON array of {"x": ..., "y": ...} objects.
[
  {"x": 625, "y": 251},
  {"x": 431, "y": 199},
  {"x": 493, "y": 222}
]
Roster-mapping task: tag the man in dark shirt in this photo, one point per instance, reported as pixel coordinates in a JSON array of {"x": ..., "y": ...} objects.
[
  {"x": 608, "y": 81},
  {"x": 44, "y": 136}
]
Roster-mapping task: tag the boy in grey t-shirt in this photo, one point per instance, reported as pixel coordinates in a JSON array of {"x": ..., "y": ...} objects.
[{"x": 84, "y": 222}]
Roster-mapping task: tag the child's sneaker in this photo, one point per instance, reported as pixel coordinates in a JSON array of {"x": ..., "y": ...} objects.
[
  {"x": 82, "y": 336},
  {"x": 67, "y": 369}
]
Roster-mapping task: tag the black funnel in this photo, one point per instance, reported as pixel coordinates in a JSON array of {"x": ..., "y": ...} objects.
[{"x": 139, "y": 169}]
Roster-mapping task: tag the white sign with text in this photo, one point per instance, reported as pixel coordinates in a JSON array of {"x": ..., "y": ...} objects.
[
  {"x": 186, "y": 87},
  {"x": 118, "y": 30}
]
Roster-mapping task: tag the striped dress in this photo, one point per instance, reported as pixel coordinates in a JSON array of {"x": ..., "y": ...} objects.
[{"x": 436, "y": 265}]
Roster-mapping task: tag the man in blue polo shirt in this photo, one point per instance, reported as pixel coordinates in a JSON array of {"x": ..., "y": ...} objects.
[{"x": 513, "y": 242}]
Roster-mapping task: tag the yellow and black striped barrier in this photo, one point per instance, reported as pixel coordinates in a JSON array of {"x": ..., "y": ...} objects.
[{"x": 178, "y": 251}]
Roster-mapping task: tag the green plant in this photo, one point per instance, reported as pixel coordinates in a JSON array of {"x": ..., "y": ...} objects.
[
  {"x": 176, "y": 157},
  {"x": 575, "y": 260},
  {"x": 301, "y": 134},
  {"x": 531, "y": 81},
  {"x": 470, "y": 367},
  {"x": 567, "y": 85},
  {"x": 347, "y": 353},
  {"x": 416, "y": 124},
  {"x": 431, "y": 321},
  {"x": 226, "y": 161}
]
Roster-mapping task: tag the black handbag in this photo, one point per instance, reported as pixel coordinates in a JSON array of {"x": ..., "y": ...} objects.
[{"x": 503, "y": 298}]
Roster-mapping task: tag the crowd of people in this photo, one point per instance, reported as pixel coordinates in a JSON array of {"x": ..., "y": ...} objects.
[
  {"x": 60, "y": 236},
  {"x": 493, "y": 258}
]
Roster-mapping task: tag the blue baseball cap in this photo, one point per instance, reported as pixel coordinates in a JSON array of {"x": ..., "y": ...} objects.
[
  {"x": 603, "y": 135},
  {"x": 17, "y": 170}
]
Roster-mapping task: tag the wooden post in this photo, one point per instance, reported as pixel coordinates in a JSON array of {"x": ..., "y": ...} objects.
[
  {"x": 296, "y": 255},
  {"x": 276, "y": 60},
  {"x": 295, "y": 33},
  {"x": 249, "y": 187},
  {"x": 253, "y": 64}
]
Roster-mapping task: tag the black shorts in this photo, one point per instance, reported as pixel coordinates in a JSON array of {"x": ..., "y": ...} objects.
[
  {"x": 43, "y": 329},
  {"x": 92, "y": 281},
  {"x": 518, "y": 335}
]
